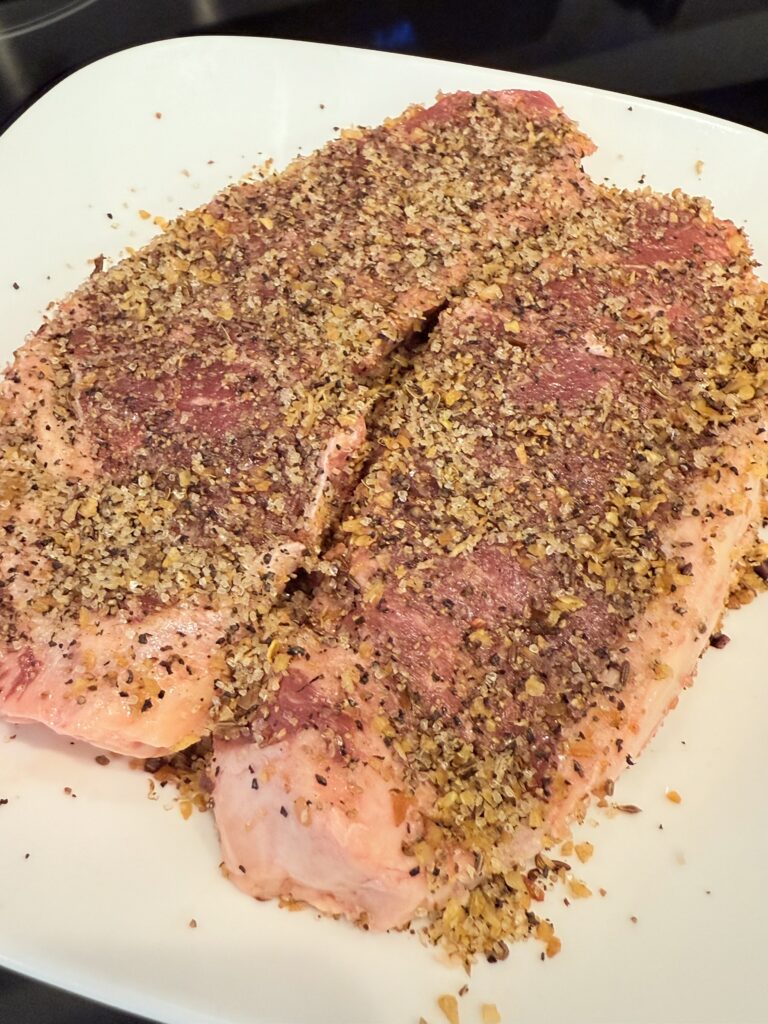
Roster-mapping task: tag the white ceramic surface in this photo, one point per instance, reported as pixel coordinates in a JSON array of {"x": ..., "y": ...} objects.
[{"x": 103, "y": 901}]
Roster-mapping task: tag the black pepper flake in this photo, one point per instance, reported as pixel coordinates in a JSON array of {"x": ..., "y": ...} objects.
[
  {"x": 321, "y": 780},
  {"x": 147, "y": 704},
  {"x": 241, "y": 868},
  {"x": 629, "y": 808},
  {"x": 414, "y": 871},
  {"x": 284, "y": 812},
  {"x": 719, "y": 641},
  {"x": 143, "y": 638},
  {"x": 101, "y": 759},
  {"x": 15, "y": 286},
  {"x": 254, "y": 783},
  {"x": 3, "y": 801}
]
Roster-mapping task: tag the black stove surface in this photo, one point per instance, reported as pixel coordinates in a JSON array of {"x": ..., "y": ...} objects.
[{"x": 709, "y": 55}]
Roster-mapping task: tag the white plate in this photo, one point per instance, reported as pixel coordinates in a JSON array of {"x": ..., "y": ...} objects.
[{"x": 103, "y": 901}]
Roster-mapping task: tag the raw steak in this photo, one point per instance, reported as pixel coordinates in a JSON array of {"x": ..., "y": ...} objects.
[
  {"x": 526, "y": 577},
  {"x": 178, "y": 435}
]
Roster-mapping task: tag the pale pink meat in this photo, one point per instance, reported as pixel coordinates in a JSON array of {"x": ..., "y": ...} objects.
[
  {"x": 318, "y": 812},
  {"x": 141, "y": 687}
]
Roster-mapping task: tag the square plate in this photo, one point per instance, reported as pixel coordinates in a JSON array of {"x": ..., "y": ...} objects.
[{"x": 102, "y": 903}]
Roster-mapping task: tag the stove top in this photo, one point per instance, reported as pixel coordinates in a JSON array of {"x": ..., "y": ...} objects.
[{"x": 706, "y": 54}]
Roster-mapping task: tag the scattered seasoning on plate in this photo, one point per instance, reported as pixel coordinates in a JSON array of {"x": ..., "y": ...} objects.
[
  {"x": 490, "y": 1014},
  {"x": 192, "y": 923},
  {"x": 450, "y": 1008},
  {"x": 673, "y": 796},
  {"x": 633, "y": 919},
  {"x": 584, "y": 851},
  {"x": 26, "y": 856},
  {"x": 3, "y": 801},
  {"x": 101, "y": 759},
  {"x": 158, "y": 115},
  {"x": 579, "y": 889},
  {"x": 545, "y": 932},
  {"x": 629, "y": 808},
  {"x": 719, "y": 641}
]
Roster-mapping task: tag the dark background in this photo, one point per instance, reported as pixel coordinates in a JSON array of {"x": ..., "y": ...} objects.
[{"x": 710, "y": 55}]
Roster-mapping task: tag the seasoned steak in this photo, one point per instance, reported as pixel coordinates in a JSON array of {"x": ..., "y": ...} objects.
[
  {"x": 525, "y": 579},
  {"x": 178, "y": 436}
]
